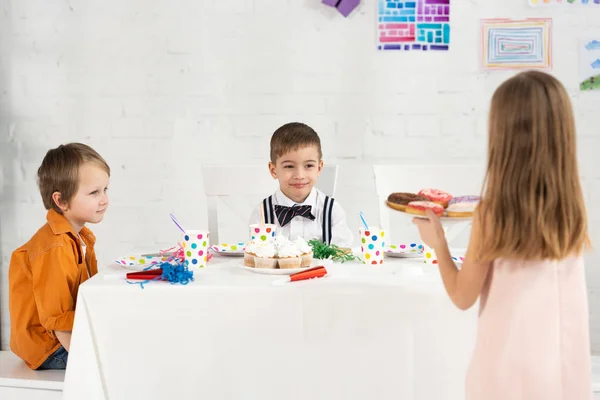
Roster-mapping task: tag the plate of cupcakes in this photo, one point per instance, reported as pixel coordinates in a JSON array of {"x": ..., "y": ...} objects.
[{"x": 280, "y": 256}]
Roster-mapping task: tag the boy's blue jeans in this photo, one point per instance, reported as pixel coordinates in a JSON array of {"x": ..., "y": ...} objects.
[{"x": 57, "y": 360}]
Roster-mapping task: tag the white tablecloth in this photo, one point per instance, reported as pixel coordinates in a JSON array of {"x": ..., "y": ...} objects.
[{"x": 364, "y": 332}]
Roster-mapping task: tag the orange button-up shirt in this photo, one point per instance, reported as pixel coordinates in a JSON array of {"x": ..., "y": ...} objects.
[{"x": 43, "y": 278}]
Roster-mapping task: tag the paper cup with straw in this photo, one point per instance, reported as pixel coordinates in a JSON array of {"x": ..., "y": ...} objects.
[
  {"x": 372, "y": 244},
  {"x": 262, "y": 232},
  {"x": 195, "y": 248}
]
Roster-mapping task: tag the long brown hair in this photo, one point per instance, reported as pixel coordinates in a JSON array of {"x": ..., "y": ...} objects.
[{"x": 533, "y": 204}]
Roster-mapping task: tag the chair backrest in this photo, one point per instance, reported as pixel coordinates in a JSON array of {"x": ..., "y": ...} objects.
[
  {"x": 234, "y": 191},
  {"x": 456, "y": 179}
]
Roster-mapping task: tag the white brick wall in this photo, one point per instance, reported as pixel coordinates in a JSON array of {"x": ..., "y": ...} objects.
[{"x": 161, "y": 87}]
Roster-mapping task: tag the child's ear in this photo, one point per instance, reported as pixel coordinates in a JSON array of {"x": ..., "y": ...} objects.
[
  {"x": 57, "y": 198},
  {"x": 320, "y": 166},
  {"x": 272, "y": 170}
]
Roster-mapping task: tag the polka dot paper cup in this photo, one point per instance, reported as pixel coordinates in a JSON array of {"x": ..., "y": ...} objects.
[
  {"x": 429, "y": 255},
  {"x": 262, "y": 233},
  {"x": 195, "y": 248},
  {"x": 372, "y": 245}
]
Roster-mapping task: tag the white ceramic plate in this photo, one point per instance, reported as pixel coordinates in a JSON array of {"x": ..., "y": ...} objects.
[
  {"x": 288, "y": 271},
  {"x": 405, "y": 250},
  {"x": 458, "y": 255},
  {"x": 227, "y": 249},
  {"x": 141, "y": 261}
]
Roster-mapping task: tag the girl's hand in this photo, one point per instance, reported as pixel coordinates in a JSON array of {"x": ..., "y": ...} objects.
[{"x": 431, "y": 230}]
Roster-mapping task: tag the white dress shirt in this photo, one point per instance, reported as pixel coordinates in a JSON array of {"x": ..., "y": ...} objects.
[{"x": 304, "y": 227}]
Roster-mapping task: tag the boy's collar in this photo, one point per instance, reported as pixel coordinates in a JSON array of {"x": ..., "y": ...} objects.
[
  {"x": 60, "y": 224},
  {"x": 283, "y": 200}
]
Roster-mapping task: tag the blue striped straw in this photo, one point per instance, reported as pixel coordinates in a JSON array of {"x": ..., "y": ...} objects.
[
  {"x": 177, "y": 223},
  {"x": 362, "y": 218}
]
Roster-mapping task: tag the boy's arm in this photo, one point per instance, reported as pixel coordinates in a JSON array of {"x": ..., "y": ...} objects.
[
  {"x": 55, "y": 277},
  {"x": 341, "y": 235},
  {"x": 64, "y": 337}
]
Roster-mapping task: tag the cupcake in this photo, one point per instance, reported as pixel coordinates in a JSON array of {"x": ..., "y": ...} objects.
[
  {"x": 265, "y": 256},
  {"x": 289, "y": 256},
  {"x": 305, "y": 251},
  {"x": 249, "y": 254},
  {"x": 280, "y": 241}
]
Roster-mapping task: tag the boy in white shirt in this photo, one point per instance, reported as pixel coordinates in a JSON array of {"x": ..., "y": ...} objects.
[{"x": 297, "y": 207}]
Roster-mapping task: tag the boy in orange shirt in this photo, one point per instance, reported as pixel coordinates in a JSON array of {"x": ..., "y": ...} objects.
[{"x": 45, "y": 273}]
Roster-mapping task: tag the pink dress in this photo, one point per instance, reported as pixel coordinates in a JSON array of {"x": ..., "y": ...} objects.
[{"x": 533, "y": 336}]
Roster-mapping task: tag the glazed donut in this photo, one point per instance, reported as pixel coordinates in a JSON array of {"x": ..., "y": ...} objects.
[
  {"x": 399, "y": 200},
  {"x": 419, "y": 208},
  {"x": 462, "y": 206},
  {"x": 437, "y": 196}
]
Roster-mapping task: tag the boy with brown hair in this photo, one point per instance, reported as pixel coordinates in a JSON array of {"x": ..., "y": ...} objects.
[
  {"x": 298, "y": 208},
  {"x": 45, "y": 273}
]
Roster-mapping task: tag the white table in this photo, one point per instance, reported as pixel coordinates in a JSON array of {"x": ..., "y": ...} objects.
[{"x": 364, "y": 332}]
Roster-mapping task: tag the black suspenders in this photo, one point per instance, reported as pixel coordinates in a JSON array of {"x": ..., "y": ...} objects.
[
  {"x": 269, "y": 212},
  {"x": 327, "y": 211}
]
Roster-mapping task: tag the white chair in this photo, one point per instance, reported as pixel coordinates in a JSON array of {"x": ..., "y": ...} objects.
[
  {"x": 456, "y": 179},
  {"x": 596, "y": 376},
  {"x": 19, "y": 382},
  {"x": 239, "y": 189}
]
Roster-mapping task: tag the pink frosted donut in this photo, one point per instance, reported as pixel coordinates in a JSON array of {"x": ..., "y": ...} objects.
[
  {"x": 437, "y": 196},
  {"x": 419, "y": 207}
]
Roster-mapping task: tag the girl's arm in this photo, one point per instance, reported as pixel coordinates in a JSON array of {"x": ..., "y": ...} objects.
[{"x": 464, "y": 285}]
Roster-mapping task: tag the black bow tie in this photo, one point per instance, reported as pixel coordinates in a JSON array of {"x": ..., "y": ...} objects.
[{"x": 285, "y": 214}]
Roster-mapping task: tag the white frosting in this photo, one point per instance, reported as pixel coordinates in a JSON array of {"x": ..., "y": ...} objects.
[
  {"x": 265, "y": 250},
  {"x": 462, "y": 207},
  {"x": 303, "y": 245},
  {"x": 281, "y": 241},
  {"x": 288, "y": 251},
  {"x": 251, "y": 247},
  {"x": 281, "y": 246}
]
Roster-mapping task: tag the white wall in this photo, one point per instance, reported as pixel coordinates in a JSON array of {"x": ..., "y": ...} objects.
[{"x": 161, "y": 87}]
